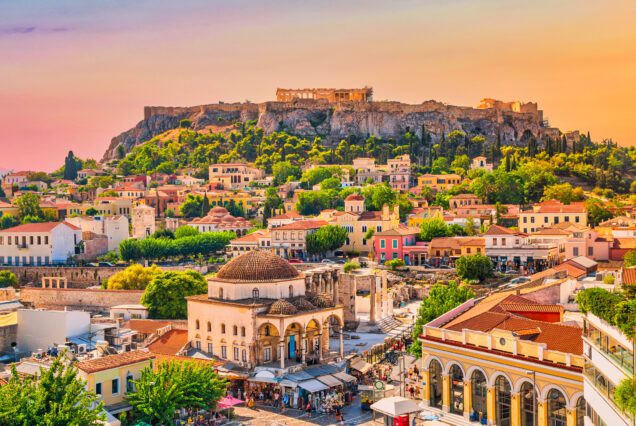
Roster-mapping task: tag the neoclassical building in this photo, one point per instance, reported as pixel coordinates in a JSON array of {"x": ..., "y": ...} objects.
[
  {"x": 482, "y": 361},
  {"x": 261, "y": 310}
]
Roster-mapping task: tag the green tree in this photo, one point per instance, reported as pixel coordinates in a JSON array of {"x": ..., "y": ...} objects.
[
  {"x": 470, "y": 228},
  {"x": 120, "y": 151},
  {"x": 8, "y": 221},
  {"x": 58, "y": 397},
  {"x": 597, "y": 211},
  {"x": 312, "y": 202},
  {"x": 130, "y": 250},
  {"x": 72, "y": 165},
  {"x": 8, "y": 279},
  {"x": 629, "y": 259},
  {"x": 163, "y": 233},
  {"x": 135, "y": 277},
  {"x": 625, "y": 395},
  {"x": 326, "y": 239},
  {"x": 434, "y": 227},
  {"x": 192, "y": 206},
  {"x": 284, "y": 170},
  {"x": 394, "y": 263},
  {"x": 563, "y": 192},
  {"x": 441, "y": 299},
  {"x": 185, "y": 123},
  {"x": 351, "y": 265},
  {"x": 91, "y": 211},
  {"x": 161, "y": 391},
  {"x": 185, "y": 231},
  {"x": 440, "y": 165},
  {"x": 376, "y": 196},
  {"x": 29, "y": 205},
  {"x": 165, "y": 294},
  {"x": 474, "y": 267}
]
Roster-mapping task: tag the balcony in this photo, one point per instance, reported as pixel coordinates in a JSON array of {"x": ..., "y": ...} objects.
[{"x": 23, "y": 246}]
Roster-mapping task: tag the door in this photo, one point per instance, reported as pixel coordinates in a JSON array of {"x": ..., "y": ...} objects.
[{"x": 292, "y": 347}]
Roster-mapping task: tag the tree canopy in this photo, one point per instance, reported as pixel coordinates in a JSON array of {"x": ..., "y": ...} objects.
[
  {"x": 165, "y": 295},
  {"x": 325, "y": 239},
  {"x": 474, "y": 267},
  {"x": 135, "y": 277}
]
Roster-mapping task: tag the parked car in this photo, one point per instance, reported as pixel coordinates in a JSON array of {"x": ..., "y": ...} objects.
[
  {"x": 295, "y": 260},
  {"x": 444, "y": 267},
  {"x": 519, "y": 280},
  {"x": 329, "y": 261},
  {"x": 511, "y": 272}
]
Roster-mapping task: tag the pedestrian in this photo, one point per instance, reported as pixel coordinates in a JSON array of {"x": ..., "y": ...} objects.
[{"x": 308, "y": 409}]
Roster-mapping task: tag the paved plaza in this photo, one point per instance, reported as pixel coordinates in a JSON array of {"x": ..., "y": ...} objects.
[{"x": 268, "y": 416}]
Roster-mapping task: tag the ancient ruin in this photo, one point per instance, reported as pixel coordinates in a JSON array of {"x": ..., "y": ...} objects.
[{"x": 332, "y": 95}]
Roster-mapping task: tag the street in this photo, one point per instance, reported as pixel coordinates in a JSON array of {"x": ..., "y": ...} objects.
[{"x": 266, "y": 416}]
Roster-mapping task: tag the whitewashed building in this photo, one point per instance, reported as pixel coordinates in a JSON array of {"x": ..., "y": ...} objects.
[
  {"x": 39, "y": 243},
  {"x": 114, "y": 227}
]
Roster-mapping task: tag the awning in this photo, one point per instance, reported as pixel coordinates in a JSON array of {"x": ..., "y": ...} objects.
[
  {"x": 264, "y": 377},
  {"x": 395, "y": 406},
  {"x": 312, "y": 386},
  {"x": 288, "y": 383},
  {"x": 330, "y": 380},
  {"x": 360, "y": 365},
  {"x": 347, "y": 378}
]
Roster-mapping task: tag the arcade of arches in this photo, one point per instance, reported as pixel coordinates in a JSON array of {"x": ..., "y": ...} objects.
[{"x": 501, "y": 398}]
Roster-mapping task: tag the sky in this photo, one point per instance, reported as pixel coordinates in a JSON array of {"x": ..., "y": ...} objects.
[{"x": 75, "y": 73}]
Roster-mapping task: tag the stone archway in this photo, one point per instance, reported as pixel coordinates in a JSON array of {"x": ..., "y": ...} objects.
[
  {"x": 311, "y": 342},
  {"x": 333, "y": 326},
  {"x": 267, "y": 344},
  {"x": 293, "y": 341}
]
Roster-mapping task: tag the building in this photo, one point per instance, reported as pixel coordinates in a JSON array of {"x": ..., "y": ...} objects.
[
  {"x": 391, "y": 244},
  {"x": 464, "y": 200},
  {"x": 113, "y": 227},
  {"x": 143, "y": 221},
  {"x": 481, "y": 162},
  {"x": 609, "y": 359},
  {"x": 40, "y": 244},
  {"x": 131, "y": 191},
  {"x": 418, "y": 215},
  {"x": 39, "y": 329},
  {"x": 259, "y": 311},
  {"x": 587, "y": 242},
  {"x": 220, "y": 219},
  {"x": 290, "y": 241},
  {"x": 510, "y": 249},
  {"x": 234, "y": 175},
  {"x": 331, "y": 95},
  {"x": 550, "y": 213},
  {"x": 367, "y": 171},
  {"x": 111, "y": 377},
  {"x": 399, "y": 172},
  {"x": 439, "y": 182},
  {"x": 504, "y": 360},
  {"x": 260, "y": 239}
]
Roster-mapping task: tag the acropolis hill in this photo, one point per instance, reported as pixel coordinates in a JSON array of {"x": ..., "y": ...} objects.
[{"x": 334, "y": 114}]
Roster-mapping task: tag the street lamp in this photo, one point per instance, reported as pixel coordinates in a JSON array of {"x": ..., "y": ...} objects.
[{"x": 534, "y": 396}]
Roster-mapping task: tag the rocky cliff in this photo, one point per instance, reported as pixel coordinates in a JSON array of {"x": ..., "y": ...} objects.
[{"x": 334, "y": 121}]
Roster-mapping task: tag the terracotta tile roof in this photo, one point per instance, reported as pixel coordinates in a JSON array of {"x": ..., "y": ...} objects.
[
  {"x": 39, "y": 227},
  {"x": 550, "y": 231},
  {"x": 354, "y": 197},
  {"x": 370, "y": 216},
  {"x": 554, "y": 206},
  {"x": 472, "y": 241},
  {"x": 288, "y": 215},
  {"x": 400, "y": 231},
  {"x": 464, "y": 197},
  {"x": 625, "y": 243},
  {"x": 499, "y": 230},
  {"x": 629, "y": 276},
  {"x": 303, "y": 225},
  {"x": 145, "y": 326},
  {"x": 251, "y": 238},
  {"x": 114, "y": 361},
  {"x": 445, "y": 242},
  {"x": 169, "y": 343}
]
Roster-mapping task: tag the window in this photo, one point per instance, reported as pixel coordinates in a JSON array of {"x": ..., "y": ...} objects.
[
  {"x": 46, "y": 239},
  {"x": 98, "y": 388},
  {"x": 222, "y": 328},
  {"x": 255, "y": 293},
  {"x": 221, "y": 293},
  {"x": 503, "y": 241},
  {"x": 502, "y": 401},
  {"x": 196, "y": 324},
  {"x": 494, "y": 241},
  {"x": 224, "y": 352},
  {"x": 242, "y": 331},
  {"x": 575, "y": 251},
  {"x": 236, "y": 354},
  {"x": 197, "y": 344},
  {"x": 567, "y": 218},
  {"x": 130, "y": 386},
  {"x": 291, "y": 291},
  {"x": 244, "y": 355},
  {"x": 468, "y": 250},
  {"x": 210, "y": 348},
  {"x": 532, "y": 219},
  {"x": 267, "y": 354},
  {"x": 395, "y": 243},
  {"x": 267, "y": 330},
  {"x": 378, "y": 228},
  {"x": 382, "y": 244},
  {"x": 590, "y": 251},
  {"x": 115, "y": 386},
  {"x": 576, "y": 219},
  {"x": 209, "y": 326},
  {"x": 235, "y": 330},
  {"x": 545, "y": 219}
]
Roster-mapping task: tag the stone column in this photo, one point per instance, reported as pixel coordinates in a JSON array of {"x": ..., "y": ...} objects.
[
  {"x": 515, "y": 409},
  {"x": 468, "y": 398},
  {"x": 372, "y": 288},
  {"x": 325, "y": 344},
  {"x": 490, "y": 404},
  {"x": 320, "y": 347},
  {"x": 542, "y": 412},
  {"x": 281, "y": 350},
  {"x": 341, "y": 343},
  {"x": 426, "y": 378},
  {"x": 446, "y": 393},
  {"x": 304, "y": 348}
]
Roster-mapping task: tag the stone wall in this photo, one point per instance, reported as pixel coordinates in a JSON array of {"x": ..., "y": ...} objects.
[
  {"x": 93, "y": 300},
  {"x": 8, "y": 337}
]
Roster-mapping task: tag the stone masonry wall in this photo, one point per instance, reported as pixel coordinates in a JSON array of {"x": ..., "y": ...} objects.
[{"x": 94, "y": 300}]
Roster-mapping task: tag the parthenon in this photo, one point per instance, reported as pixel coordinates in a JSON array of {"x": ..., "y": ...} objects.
[{"x": 332, "y": 95}]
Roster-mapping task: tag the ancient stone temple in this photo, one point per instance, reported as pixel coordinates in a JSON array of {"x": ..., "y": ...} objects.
[{"x": 332, "y": 95}]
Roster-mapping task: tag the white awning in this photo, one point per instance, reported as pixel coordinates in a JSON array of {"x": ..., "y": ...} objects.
[
  {"x": 264, "y": 377},
  {"x": 330, "y": 380},
  {"x": 344, "y": 377},
  {"x": 360, "y": 365},
  {"x": 395, "y": 406},
  {"x": 312, "y": 386},
  {"x": 288, "y": 383}
]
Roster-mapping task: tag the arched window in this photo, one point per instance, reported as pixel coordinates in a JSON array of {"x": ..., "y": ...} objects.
[
  {"x": 244, "y": 356},
  {"x": 528, "y": 404},
  {"x": 222, "y": 328},
  {"x": 456, "y": 390},
  {"x": 556, "y": 408},
  {"x": 209, "y": 326},
  {"x": 480, "y": 393},
  {"x": 267, "y": 330},
  {"x": 291, "y": 291},
  {"x": 242, "y": 331},
  {"x": 255, "y": 293},
  {"x": 435, "y": 390},
  {"x": 502, "y": 406},
  {"x": 220, "y": 292},
  {"x": 196, "y": 324},
  {"x": 580, "y": 411},
  {"x": 235, "y": 330}
]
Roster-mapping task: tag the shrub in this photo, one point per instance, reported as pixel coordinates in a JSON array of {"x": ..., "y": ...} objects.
[
  {"x": 608, "y": 279},
  {"x": 625, "y": 395},
  {"x": 394, "y": 263},
  {"x": 8, "y": 279},
  {"x": 351, "y": 266},
  {"x": 474, "y": 267}
]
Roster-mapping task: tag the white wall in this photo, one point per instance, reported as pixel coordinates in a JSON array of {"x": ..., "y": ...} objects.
[
  {"x": 40, "y": 329},
  {"x": 266, "y": 290},
  {"x": 63, "y": 240}
]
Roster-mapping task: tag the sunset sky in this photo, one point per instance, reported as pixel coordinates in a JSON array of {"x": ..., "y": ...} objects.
[{"x": 73, "y": 74}]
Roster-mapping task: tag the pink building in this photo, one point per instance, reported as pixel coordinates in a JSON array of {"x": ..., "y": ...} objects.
[
  {"x": 391, "y": 244},
  {"x": 588, "y": 243}
]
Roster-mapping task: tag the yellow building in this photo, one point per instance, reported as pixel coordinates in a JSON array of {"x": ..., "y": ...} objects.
[
  {"x": 550, "y": 213},
  {"x": 111, "y": 377},
  {"x": 483, "y": 360},
  {"x": 439, "y": 182}
]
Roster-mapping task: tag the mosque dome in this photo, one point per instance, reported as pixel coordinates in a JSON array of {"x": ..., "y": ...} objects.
[
  {"x": 282, "y": 307},
  {"x": 257, "y": 266}
]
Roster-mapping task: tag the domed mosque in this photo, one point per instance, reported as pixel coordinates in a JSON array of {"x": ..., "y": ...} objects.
[{"x": 258, "y": 311}]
